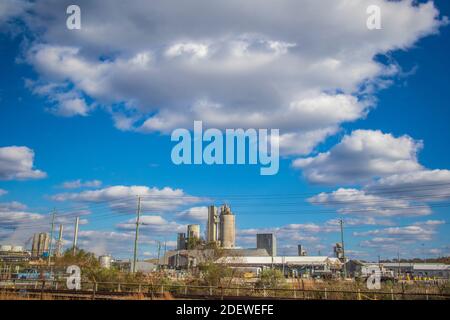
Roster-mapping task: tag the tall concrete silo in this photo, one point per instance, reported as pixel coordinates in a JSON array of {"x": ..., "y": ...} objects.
[
  {"x": 212, "y": 227},
  {"x": 44, "y": 242},
  {"x": 227, "y": 227},
  {"x": 35, "y": 245},
  {"x": 40, "y": 244}
]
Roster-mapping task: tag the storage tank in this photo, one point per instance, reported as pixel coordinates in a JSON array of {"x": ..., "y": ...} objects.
[
  {"x": 43, "y": 245},
  {"x": 105, "y": 261},
  {"x": 17, "y": 249},
  {"x": 5, "y": 248},
  {"x": 227, "y": 227},
  {"x": 193, "y": 231}
]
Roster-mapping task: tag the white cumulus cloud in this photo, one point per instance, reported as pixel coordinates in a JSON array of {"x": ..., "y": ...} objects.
[
  {"x": 124, "y": 198},
  {"x": 361, "y": 157},
  {"x": 304, "y": 67},
  {"x": 16, "y": 163}
]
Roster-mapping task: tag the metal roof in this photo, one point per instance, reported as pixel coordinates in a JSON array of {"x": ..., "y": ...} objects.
[
  {"x": 430, "y": 267},
  {"x": 417, "y": 266},
  {"x": 292, "y": 260}
]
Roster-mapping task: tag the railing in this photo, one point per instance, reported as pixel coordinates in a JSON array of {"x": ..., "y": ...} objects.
[{"x": 102, "y": 289}]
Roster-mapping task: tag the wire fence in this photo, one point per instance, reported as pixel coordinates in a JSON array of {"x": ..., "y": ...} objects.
[{"x": 147, "y": 290}]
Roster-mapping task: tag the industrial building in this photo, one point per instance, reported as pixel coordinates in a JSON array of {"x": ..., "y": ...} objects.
[
  {"x": 183, "y": 259},
  {"x": 181, "y": 241},
  {"x": 212, "y": 226},
  {"x": 302, "y": 251},
  {"x": 13, "y": 253},
  {"x": 40, "y": 245},
  {"x": 227, "y": 227},
  {"x": 357, "y": 268},
  {"x": 268, "y": 242},
  {"x": 290, "y": 265},
  {"x": 438, "y": 270},
  {"x": 221, "y": 229},
  {"x": 193, "y": 231},
  {"x": 338, "y": 251},
  {"x": 193, "y": 237}
]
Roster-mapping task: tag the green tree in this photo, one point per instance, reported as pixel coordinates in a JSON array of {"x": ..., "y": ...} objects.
[
  {"x": 271, "y": 278},
  {"x": 82, "y": 258}
]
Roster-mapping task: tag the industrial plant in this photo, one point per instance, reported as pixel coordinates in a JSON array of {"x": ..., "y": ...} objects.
[
  {"x": 199, "y": 257},
  {"x": 220, "y": 236},
  {"x": 220, "y": 230},
  {"x": 218, "y": 246}
]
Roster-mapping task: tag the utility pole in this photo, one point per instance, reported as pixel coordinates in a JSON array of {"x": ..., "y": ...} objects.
[
  {"x": 75, "y": 236},
  {"x": 165, "y": 247},
  {"x": 341, "y": 222},
  {"x": 60, "y": 241},
  {"x": 159, "y": 252},
  {"x": 51, "y": 238},
  {"x": 138, "y": 218}
]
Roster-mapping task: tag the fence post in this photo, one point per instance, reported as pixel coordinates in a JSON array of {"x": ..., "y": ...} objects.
[
  {"x": 295, "y": 293},
  {"x": 303, "y": 290},
  {"x": 326, "y": 295},
  {"x": 392, "y": 294},
  {"x": 42, "y": 290},
  {"x": 140, "y": 288},
  {"x": 185, "y": 290},
  {"x": 403, "y": 291},
  {"x": 426, "y": 292},
  {"x": 237, "y": 291},
  {"x": 359, "y": 294},
  {"x": 210, "y": 290},
  {"x": 118, "y": 287},
  {"x": 162, "y": 290}
]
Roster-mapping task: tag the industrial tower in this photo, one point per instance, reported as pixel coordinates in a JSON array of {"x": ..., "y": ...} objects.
[{"x": 220, "y": 229}]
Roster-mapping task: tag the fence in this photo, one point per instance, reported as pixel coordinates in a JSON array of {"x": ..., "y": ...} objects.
[{"x": 208, "y": 292}]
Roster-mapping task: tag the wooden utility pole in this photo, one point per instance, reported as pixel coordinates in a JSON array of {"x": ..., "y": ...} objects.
[{"x": 138, "y": 218}]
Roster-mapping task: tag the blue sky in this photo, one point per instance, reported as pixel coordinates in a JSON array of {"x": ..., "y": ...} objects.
[{"x": 370, "y": 113}]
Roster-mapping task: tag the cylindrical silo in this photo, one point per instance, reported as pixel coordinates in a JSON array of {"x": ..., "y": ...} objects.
[
  {"x": 44, "y": 241},
  {"x": 105, "y": 261},
  {"x": 5, "y": 248},
  {"x": 35, "y": 245},
  {"x": 193, "y": 231},
  {"x": 17, "y": 249},
  {"x": 227, "y": 227}
]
